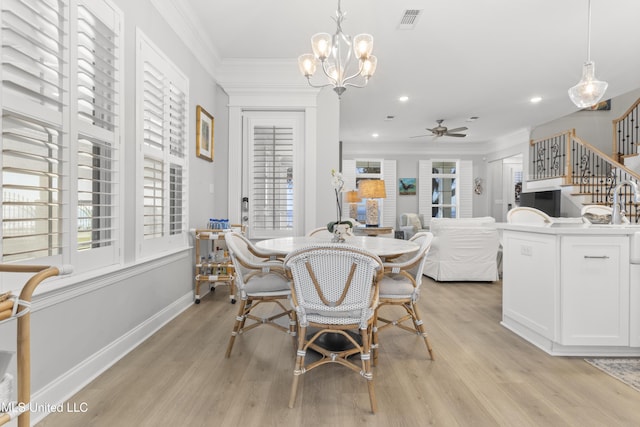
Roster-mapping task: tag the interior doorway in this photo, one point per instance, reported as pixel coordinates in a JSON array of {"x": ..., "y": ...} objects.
[{"x": 506, "y": 185}]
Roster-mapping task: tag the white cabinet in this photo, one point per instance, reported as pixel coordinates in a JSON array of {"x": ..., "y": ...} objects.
[
  {"x": 572, "y": 291},
  {"x": 634, "y": 305},
  {"x": 594, "y": 295}
]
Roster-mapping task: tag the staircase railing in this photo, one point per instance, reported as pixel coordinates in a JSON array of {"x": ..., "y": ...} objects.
[
  {"x": 626, "y": 133},
  {"x": 593, "y": 173}
]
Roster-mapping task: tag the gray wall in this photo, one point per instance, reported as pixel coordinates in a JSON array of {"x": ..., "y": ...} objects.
[
  {"x": 593, "y": 127},
  {"x": 81, "y": 329},
  {"x": 407, "y": 167}
]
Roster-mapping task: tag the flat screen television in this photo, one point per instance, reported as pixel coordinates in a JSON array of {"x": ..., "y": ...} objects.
[{"x": 546, "y": 201}]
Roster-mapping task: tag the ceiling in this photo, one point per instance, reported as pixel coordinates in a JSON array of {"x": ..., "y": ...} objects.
[{"x": 463, "y": 58}]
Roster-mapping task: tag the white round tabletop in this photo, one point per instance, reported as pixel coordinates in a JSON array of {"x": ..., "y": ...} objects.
[{"x": 381, "y": 246}]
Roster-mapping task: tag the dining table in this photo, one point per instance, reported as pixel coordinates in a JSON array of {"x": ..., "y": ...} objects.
[
  {"x": 385, "y": 248},
  {"x": 381, "y": 246}
]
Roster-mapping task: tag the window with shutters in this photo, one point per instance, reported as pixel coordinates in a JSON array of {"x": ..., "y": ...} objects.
[
  {"x": 444, "y": 200},
  {"x": 162, "y": 100},
  {"x": 33, "y": 150},
  {"x": 447, "y": 189},
  {"x": 60, "y": 131}
]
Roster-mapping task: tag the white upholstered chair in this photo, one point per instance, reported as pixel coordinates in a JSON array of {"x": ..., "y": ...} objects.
[
  {"x": 596, "y": 210},
  {"x": 260, "y": 279},
  {"x": 334, "y": 289},
  {"x": 400, "y": 286},
  {"x": 527, "y": 215}
]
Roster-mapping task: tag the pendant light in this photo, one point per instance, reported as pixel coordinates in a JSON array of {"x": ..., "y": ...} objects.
[{"x": 589, "y": 90}]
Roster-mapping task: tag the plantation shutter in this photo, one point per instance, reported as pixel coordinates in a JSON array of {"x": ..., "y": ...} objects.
[
  {"x": 389, "y": 203},
  {"x": 164, "y": 132},
  {"x": 153, "y": 115},
  {"x": 33, "y": 150},
  {"x": 465, "y": 177},
  {"x": 272, "y": 178},
  {"x": 425, "y": 189},
  {"x": 177, "y": 147},
  {"x": 98, "y": 66}
]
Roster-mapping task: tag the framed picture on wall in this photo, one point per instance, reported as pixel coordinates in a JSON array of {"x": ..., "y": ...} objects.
[
  {"x": 204, "y": 134},
  {"x": 407, "y": 186}
]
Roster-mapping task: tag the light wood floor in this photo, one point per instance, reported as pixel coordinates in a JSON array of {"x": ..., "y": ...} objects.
[{"x": 483, "y": 375}]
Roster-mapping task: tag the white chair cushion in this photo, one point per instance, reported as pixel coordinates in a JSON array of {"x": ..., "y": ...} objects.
[
  {"x": 395, "y": 286},
  {"x": 267, "y": 283},
  {"x": 338, "y": 317}
]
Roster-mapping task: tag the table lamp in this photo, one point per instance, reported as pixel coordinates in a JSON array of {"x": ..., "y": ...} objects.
[
  {"x": 353, "y": 198},
  {"x": 372, "y": 190}
]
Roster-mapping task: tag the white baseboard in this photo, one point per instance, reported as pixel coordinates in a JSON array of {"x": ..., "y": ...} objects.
[{"x": 61, "y": 389}]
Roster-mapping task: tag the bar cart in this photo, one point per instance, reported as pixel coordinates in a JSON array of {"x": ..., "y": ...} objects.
[{"x": 20, "y": 307}]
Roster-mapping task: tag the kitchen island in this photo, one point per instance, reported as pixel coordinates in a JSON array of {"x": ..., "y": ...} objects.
[{"x": 573, "y": 289}]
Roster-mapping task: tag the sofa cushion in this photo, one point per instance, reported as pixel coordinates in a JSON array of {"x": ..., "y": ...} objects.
[{"x": 442, "y": 223}]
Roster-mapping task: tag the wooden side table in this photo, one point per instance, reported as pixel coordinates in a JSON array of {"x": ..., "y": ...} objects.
[{"x": 372, "y": 231}]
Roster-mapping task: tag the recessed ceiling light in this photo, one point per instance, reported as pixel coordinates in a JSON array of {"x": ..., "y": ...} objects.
[
  {"x": 403, "y": 98},
  {"x": 375, "y": 135},
  {"x": 535, "y": 99}
]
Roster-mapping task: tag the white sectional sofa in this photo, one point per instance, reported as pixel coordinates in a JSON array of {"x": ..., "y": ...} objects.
[{"x": 463, "y": 249}]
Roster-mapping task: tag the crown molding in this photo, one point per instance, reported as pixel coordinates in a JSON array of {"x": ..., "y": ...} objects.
[{"x": 181, "y": 20}]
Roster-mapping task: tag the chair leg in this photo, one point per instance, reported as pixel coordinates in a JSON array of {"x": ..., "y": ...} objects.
[
  {"x": 417, "y": 321},
  {"x": 293, "y": 328},
  {"x": 299, "y": 368},
  {"x": 374, "y": 345},
  {"x": 366, "y": 335},
  {"x": 236, "y": 326}
]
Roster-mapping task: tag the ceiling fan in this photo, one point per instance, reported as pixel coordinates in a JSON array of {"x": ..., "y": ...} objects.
[{"x": 444, "y": 131}]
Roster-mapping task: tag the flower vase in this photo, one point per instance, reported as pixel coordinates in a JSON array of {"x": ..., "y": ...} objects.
[{"x": 340, "y": 230}]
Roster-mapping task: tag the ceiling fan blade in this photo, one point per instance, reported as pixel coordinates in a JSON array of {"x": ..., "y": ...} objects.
[
  {"x": 458, "y": 135},
  {"x": 418, "y": 136},
  {"x": 458, "y": 129}
]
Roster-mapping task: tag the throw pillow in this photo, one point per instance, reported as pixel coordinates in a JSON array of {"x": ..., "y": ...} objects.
[{"x": 414, "y": 220}]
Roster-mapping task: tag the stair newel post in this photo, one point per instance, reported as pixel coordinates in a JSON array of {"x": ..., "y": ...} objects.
[{"x": 568, "y": 168}]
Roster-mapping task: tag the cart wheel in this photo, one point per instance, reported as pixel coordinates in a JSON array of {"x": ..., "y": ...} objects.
[
  {"x": 197, "y": 300},
  {"x": 233, "y": 301}
]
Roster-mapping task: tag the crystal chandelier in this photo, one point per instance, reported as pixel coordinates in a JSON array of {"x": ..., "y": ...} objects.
[
  {"x": 589, "y": 90},
  {"x": 336, "y": 55}
]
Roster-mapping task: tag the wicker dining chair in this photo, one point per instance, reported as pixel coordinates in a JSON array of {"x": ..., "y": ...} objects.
[
  {"x": 334, "y": 290},
  {"x": 320, "y": 232},
  {"x": 400, "y": 286},
  {"x": 260, "y": 279}
]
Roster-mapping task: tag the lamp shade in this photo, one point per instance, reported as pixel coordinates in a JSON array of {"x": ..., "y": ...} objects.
[
  {"x": 372, "y": 189},
  {"x": 589, "y": 91},
  {"x": 352, "y": 197}
]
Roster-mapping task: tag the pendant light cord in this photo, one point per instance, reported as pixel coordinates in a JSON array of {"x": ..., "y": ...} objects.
[{"x": 589, "y": 32}]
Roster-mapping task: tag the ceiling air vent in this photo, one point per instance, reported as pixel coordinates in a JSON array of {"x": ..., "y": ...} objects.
[{"x": 409, "y": 19}]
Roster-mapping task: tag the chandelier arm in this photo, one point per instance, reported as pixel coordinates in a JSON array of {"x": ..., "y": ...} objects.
[
  {"x": 326, "y": 73},
  {"x": 355, "y": 85},
  {"x": 353, "y": 76},
  {"x": 318, "y": 86}
]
